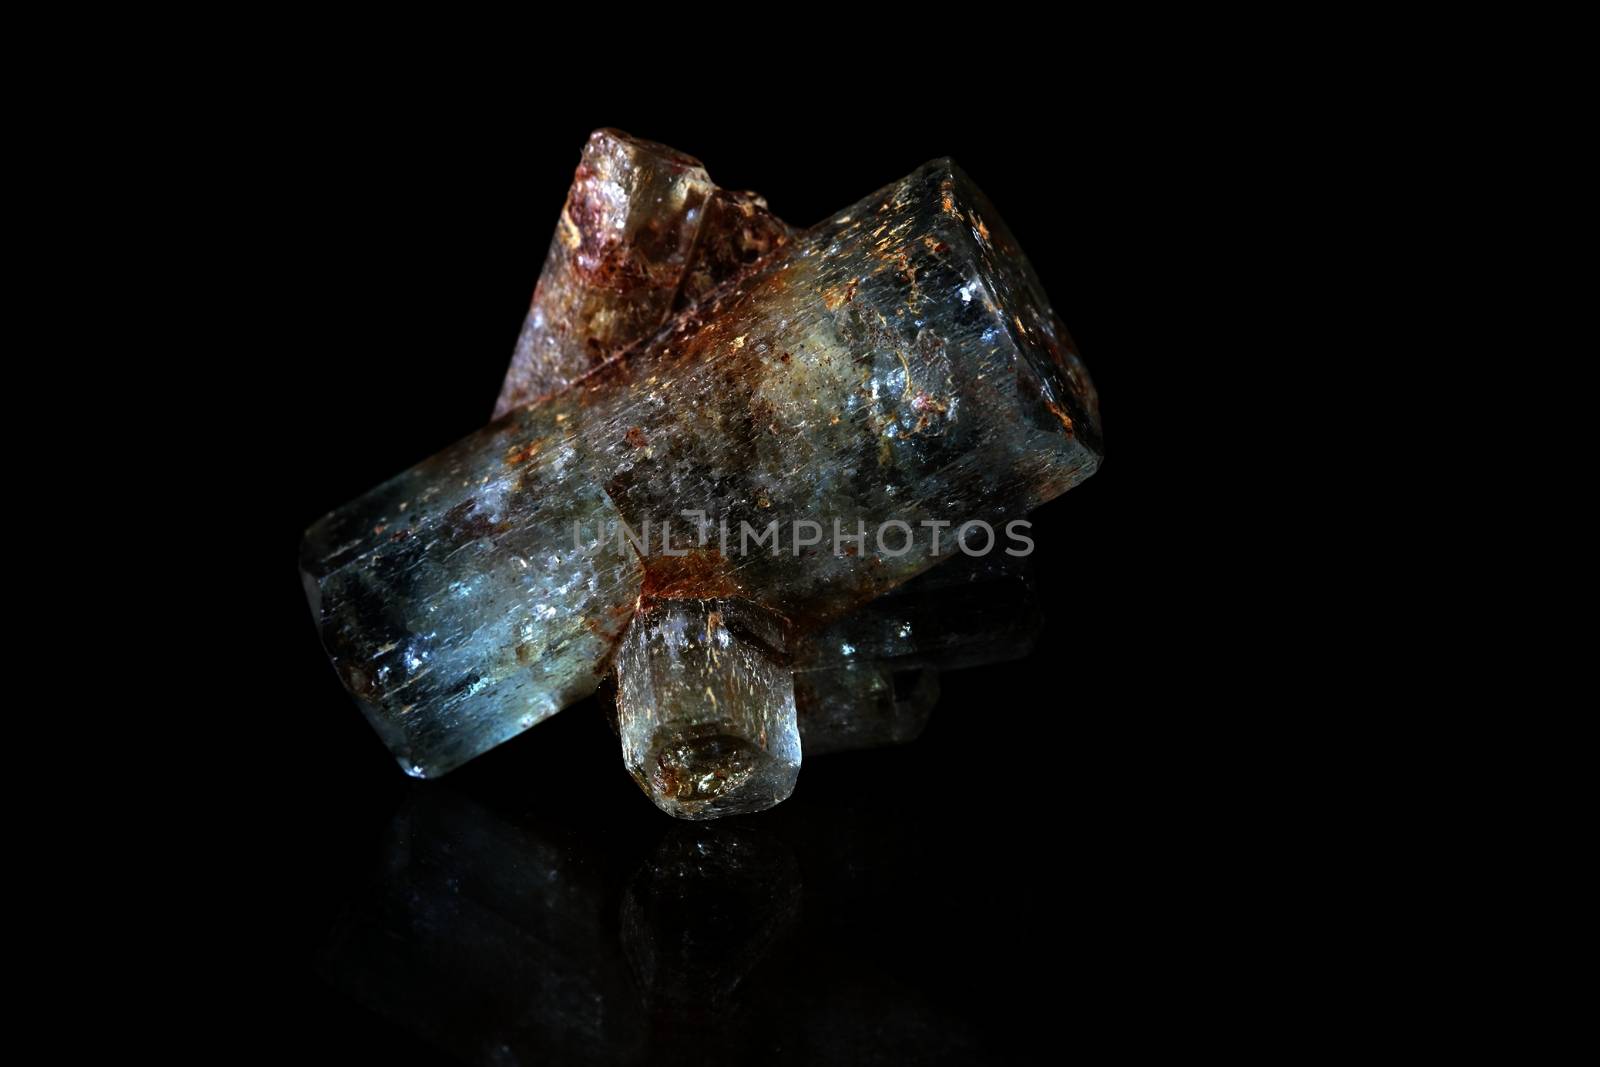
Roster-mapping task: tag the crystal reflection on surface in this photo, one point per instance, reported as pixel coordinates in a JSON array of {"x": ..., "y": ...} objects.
[
  {"x": 496, "y": 940},
  {"x": 485, "y": 938},
  {"x": 703, "y": 911}
]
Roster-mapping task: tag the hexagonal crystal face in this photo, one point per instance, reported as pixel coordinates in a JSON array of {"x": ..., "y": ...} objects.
[{"x": 705, "y": 706}]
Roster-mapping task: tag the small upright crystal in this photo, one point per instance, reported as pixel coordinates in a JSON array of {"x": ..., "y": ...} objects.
[{"x": 705, "y": 706}]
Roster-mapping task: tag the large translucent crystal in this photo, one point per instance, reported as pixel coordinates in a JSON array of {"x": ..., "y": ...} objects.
[{"x": 895, "y": 370}]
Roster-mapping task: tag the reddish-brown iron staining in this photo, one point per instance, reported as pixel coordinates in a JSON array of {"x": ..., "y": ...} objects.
[
  {"x": 1055, "y": 409},
  {"x": 701, "y": 573},
  {"x": 466, "y": 522},
  {"x": 834, "y": 297},
  {"x": 523, "y": 453},
  {"x": 610, "y": 626}
]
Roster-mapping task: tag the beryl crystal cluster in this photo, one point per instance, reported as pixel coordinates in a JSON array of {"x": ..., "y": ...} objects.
[{"x": 723, "y": 454}]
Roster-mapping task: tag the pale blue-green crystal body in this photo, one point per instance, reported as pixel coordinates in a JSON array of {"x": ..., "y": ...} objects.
[{"x": 469, "y": 598}]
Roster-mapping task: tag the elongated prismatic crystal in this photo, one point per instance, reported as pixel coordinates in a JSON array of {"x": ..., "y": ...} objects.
[{"x": 892, "y": 375}]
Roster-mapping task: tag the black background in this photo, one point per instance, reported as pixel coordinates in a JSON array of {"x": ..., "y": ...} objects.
[{"x": 1024, "y": 867}]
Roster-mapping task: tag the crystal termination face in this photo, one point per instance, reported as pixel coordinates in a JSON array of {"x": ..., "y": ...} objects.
[{"x": 644, "y": 234}]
